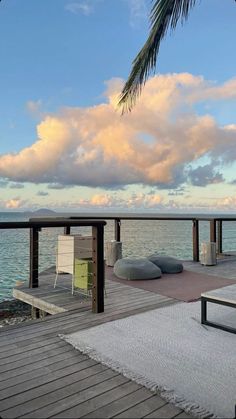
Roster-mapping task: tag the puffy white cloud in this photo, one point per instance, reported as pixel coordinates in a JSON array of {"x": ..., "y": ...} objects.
[
  {"x": 155, "y": 144},
  {"x": 112, "y": 201}
]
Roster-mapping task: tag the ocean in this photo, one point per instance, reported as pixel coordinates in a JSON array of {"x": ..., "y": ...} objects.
[{"x": 139, "y": 238}]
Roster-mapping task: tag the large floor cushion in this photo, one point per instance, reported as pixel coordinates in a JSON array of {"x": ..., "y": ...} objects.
[
  {"x": 136, "y": 268},
  {"x": 167, "y": 264}
]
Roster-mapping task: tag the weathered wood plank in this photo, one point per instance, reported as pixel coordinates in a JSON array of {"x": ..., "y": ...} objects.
[
  {"x": 72, "y": 360},
  {"x": 61, "y": 347},
  {"x": 87, "y": 369},
  {"x": 93, "y": 404},
  {"x": 81, "y": 362},
  {"x": 87, "y": 321},
  {"x": 120, "y": 405},
  {"x": 56, "y": 300},
  {"x": 38, "y": 351},
  {"x": 142, "y": 409},
  {"x": 82, "y": 316},
  {"x": 78, "y": 405},
  {"x": 40, "y": 364},
  {"x": 20, "y": 349},
  {"x": 80, "y": 390},
  {"x": 37, "y": 302},
  {"x": 44, "y": 376},
  {"x": 166, "y": 411}
]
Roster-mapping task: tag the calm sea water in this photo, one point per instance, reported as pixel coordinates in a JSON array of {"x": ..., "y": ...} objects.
[{"x": 139, "y": 238}]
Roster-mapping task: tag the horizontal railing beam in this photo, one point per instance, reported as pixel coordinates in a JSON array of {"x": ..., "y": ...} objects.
[{"x": 46, "y": 224}]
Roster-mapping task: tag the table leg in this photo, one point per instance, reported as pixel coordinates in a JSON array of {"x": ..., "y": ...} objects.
[{"x": 203, "y": 310}]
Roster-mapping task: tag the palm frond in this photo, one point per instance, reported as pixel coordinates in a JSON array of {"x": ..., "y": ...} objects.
[{"x": 164, "y": 13}]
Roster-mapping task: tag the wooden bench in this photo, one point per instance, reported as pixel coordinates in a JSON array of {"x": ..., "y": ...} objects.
[{"x": 225, "y": 296}]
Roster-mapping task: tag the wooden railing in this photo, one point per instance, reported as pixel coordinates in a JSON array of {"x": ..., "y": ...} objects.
[
  {"x": 214, "y": 220},
  {"x": 96, "y": 221},
  {"x": 35, "y": 226}
]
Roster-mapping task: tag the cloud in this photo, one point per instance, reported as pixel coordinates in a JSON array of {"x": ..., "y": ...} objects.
[
  {"x": 84, "y": 7},
  {"x": 139, "y": 200},
  {"x": 209, "y": 91},
  {"x": 156, "y": 144},
  {"x": 227, "y": 203},
  {"x": 177, "y": 192},
  {"x": 205, "y": 175},
  {"x": 42, "y": 193},
  {"x": 56, "y": 186},
  {"x": 35, "y": 108},
  {"x": 14, "y": 203},
  {"x": 138, "y": 12},
  {"x": 16, "y": 186},
  {"x": 3, "y": 183}
]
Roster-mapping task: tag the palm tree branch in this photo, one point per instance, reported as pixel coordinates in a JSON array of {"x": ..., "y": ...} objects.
[{"x": 164, "y": 13}]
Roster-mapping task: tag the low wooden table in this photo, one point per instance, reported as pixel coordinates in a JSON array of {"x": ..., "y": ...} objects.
[{"x": 225, "y": 296}]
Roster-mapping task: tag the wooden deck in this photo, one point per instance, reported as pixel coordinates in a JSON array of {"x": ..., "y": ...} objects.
[
  {"x": 42, "y": 376},
  {"x": 49, "y": 299}
]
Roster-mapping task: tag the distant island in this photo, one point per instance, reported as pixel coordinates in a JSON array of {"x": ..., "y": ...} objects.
[{"x": 41, "y": 212}]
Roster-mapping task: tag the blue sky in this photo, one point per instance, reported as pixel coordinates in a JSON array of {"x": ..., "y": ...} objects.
[{"x": 62, "y": 61}]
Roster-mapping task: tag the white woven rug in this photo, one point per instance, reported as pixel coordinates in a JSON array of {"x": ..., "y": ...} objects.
[{"x": 168, "y": 349}]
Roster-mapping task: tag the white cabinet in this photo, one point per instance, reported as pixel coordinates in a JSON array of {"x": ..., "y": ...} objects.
[{"x": 71, "y": 247}]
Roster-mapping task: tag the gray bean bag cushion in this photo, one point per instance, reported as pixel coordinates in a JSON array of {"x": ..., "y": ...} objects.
[
  {"x": 136, "y": 268},
  {"x": 167, "y": 264}
]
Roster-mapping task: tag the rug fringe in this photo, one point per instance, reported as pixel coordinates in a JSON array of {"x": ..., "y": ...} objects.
[{"x": 165, "y": 393}]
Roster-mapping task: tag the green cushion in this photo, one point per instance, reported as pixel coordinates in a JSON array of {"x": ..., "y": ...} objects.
[{"x": 83, "y": 274}]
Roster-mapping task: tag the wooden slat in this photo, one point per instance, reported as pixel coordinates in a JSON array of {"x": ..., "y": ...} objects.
[
  {"x": 37, "y": 365},
  {"x": 43, "y": 376},
  {"x": 53, "y": 365},
  {"x": 80, "y": 390},
  {"x": 120, "y": 405},
  {"x": 166, "y": 411},
  {"x": 58, "y": 300},
  {"x": 61, "y": 347},
  {"x": 19, "y": 349},
  {"x": 142, "y": 409},
  {"x": 129, "y": 301},
  {"x": 91, "y": 320},
  {"x": 77, "y": 405},
  {"x": 87, "y": 369},
  {"x": 79, "y": 364}
]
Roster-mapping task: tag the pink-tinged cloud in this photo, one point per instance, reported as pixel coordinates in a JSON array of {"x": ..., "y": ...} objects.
[
  {"x": 155, "y": 144},
  {"x": 139, "y": 200},
  {"x": 13, "y": 203}
]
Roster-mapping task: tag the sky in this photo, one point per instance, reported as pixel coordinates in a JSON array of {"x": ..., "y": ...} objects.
[{"x": 64, "y": 145}]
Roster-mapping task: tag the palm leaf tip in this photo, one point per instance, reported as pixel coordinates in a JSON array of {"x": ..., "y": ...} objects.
[{"x": 164, "y": 13}]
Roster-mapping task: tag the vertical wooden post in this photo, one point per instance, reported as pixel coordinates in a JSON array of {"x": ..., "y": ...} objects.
[
  {"x": 117, "y": 229},
  {"x": 219, "y": 237},
  {"x": 195, "y": 234},
  {"x": 34, "y": 257},
  {"x": 98, "y": 273},
  {"x": 35, "y": 312},
  {"x": 213, "y": 231},
  {"x": 67, "y": 230}
]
